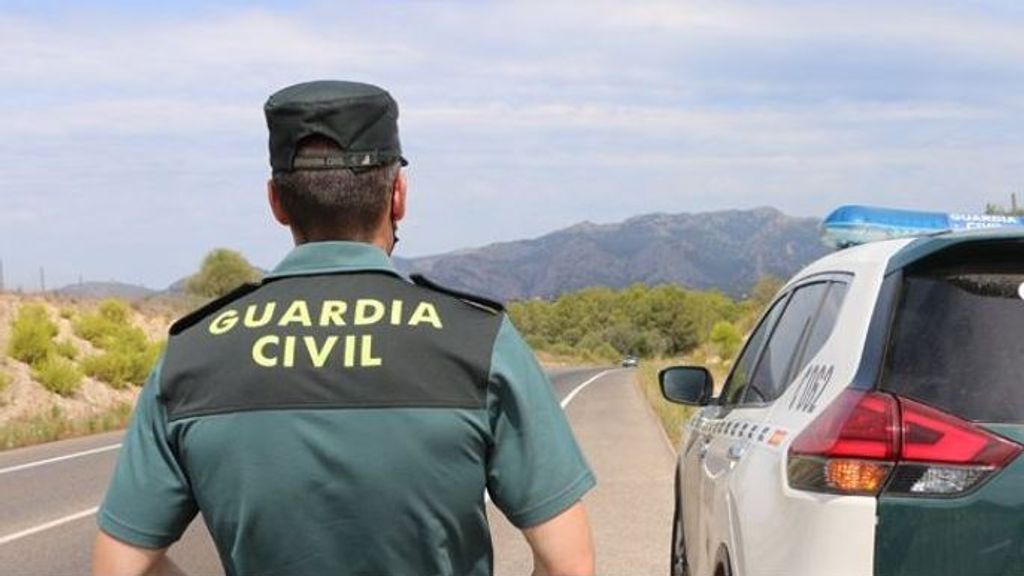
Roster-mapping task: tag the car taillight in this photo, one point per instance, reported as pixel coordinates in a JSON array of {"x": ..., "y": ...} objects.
[{"x": 869, "y": 441}]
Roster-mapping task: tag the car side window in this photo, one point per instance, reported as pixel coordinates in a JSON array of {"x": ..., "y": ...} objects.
[
  {"x": 735, "y": 386},
  {"x": 772, "y": 374},
  {"x": 828, "y": 314}
]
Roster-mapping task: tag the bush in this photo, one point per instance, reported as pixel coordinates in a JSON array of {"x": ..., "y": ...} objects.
[
  {"x": 125, "y": 361},
  {"x": 66, "y": 349},
  {"x": 32, "y": 334},
  {"x": 5, "y": 381},
  {"x": 726, "y": 339},
  {"x": 105, "y": 324},
  {"x": 127, "y": 355},
  {"x": 222, "y": 271},
  {"x": 58, "y": 375}
]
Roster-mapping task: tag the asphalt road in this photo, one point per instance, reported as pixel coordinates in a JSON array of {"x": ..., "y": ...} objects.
[{"x": 49, "y": 493}]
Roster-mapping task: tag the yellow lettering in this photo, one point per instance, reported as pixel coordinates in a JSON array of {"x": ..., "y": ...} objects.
[
  {"x": 259, "y": 355},
  {"x": 396, "y": 312},
  {"x": 289, "y": 352},
  {"x": 366, "y": 353},
  {"x": 364, "y": 315},
  {"x": 268, "y": 313},
  {"x": 333, "y": 313},
  {"x": 224, "y": 322},
  {"x": 320, "y": 356},
  {"x": 350, "y": 351},
  {"x": 298, "y": 311},
  {"x": 426, "y": 314}
]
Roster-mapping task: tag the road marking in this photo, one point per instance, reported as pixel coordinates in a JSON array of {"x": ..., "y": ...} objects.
[
  {"x": 565, "y": 402},
  {"x": 568, "y": 398},
  {"x": 85, "y": 513},
  {"x": 59, "y": 459},
  {"x": 43, "y": 527}
]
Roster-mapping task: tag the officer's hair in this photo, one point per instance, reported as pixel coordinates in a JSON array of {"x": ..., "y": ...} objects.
[{"x": 336, "y": 204}]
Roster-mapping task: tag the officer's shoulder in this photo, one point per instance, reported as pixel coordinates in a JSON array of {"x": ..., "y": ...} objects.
[
  {"x": 196, "y": 316},
  {"x": 480, "y": 302}
]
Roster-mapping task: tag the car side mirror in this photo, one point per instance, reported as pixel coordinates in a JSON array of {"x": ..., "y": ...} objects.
[{"x": 689, "y": 385}]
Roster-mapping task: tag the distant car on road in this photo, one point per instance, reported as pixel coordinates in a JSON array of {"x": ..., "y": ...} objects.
[
  {"x": 872, "y": 424},
  {"x": 629, "y": 361}
]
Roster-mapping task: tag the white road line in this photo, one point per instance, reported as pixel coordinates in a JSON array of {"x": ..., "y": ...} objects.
[
  {"x": 43, "y": 527},
  {"x": 568, "y": 398},
  {"x": 28, "y": 465},
  {"x": 565, "y": 402},
  {"x": 85, "y": 513}
]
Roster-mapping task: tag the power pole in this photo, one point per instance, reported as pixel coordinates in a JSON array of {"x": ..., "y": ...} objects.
[
  {"x": 1013, "y": 203},
  {"x": 42, "y": 280},
  {"x": 1, "y": 275}
]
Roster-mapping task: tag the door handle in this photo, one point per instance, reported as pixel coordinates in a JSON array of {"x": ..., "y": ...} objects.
[{"x": 736, "y": 452}]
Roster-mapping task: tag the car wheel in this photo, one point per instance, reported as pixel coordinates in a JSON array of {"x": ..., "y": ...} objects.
[{"x": 679, "y": 565}]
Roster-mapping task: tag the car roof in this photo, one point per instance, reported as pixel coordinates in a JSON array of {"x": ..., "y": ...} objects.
[
  {"x": 921, "y": 248},
  {"x": 900, "y": 253}
]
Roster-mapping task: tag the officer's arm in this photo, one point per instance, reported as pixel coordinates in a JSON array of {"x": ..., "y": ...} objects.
[
  {"x": 111, "y": 557},
  {"x": 562, "y": 546}
]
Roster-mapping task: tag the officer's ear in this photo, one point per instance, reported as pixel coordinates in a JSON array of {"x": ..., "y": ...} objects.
[
  {"x": 398, "y": 197},
  {"x": 276, "y": 206}
]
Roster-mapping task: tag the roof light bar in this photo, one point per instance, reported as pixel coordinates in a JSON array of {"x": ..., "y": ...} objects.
[{"x": 854, "y": 225}]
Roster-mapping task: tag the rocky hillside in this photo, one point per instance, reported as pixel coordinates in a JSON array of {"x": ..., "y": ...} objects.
[
  {"x": 727, "y": 250},
  {"x": 23, "y": 397}
]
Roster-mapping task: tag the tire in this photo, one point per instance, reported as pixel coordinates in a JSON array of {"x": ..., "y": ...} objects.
[{"x": 679, "y": 566}]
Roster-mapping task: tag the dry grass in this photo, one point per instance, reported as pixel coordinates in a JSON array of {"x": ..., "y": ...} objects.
[
  {"x": 55, "y": 425},
  {"x": 673, "y": 416}
]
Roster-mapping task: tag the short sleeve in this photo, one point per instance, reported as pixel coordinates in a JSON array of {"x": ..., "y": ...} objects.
[
  {"x": 535, "y": 470},
  {"x": 149, "y": 502}
]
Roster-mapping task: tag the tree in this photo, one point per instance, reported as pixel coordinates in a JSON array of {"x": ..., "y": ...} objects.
[
  {"x": 726, "y": 339},
  {"x": 765, "y": 290},
  {"x": 222, "y": 271}
]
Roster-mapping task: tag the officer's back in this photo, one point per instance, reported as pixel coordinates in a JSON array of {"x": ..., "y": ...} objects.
[{"x": 337, "y": 418}]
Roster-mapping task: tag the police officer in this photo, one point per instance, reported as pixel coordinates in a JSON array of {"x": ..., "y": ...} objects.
[{"x": 336, "y": 418}]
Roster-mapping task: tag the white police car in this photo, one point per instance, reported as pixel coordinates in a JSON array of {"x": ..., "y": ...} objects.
[{"x": 872, "y": 423}]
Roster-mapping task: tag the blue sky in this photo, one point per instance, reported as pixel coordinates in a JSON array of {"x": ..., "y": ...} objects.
[{"x": 134, "y": 140}]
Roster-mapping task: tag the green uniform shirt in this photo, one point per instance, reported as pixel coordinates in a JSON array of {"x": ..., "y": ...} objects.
[{"x": 338, "y": 419}]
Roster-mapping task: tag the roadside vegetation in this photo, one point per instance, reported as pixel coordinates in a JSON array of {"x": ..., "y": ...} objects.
[
  {"x": 32, "y": 341},
  {"x": 663, "y": 326},
  {"x": 126, "y": 355},
  {"x": 222, "y": 271},
  {"x": 668, "y": 321},
  {"x": 56, "y": 425}
]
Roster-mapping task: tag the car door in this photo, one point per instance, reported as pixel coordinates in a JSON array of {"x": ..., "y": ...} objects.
[
  {"x": 697, "y": 507},
  {"x": 743, "y": 467}
]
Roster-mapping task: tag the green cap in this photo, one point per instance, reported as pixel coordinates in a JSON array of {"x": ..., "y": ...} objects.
[{"x": 361, "y": 118}]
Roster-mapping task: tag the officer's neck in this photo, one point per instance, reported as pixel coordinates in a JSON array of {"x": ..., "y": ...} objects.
[{"x": 383, "y": 238}]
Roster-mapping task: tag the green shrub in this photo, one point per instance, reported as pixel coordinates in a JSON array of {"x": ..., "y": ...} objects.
[
  {"x": 105, "y": 324},
  {"x": 66, "y": 349},
  {"x": 126, "y": 355},
  {"x": 5, "y": 381},
  {"x": 58, "y": 375},
  {"x": 32, "y": 334},
  {"x": 726, "y": 339},
  {"x": 125, "y": 361},
  {"x": 67, "y": 313}
]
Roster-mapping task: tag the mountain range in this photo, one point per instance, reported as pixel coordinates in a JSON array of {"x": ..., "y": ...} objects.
[{"x": 728, "y": 251}]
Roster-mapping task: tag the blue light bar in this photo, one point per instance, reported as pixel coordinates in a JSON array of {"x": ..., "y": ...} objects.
[{"x": 853, "y": 225}]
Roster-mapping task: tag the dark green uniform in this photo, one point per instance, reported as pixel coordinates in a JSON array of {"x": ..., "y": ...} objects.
[{"x": 338, "y": 419}]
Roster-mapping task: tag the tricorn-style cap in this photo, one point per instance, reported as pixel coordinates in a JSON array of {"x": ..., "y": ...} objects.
[{"x": 361, "y": 118}]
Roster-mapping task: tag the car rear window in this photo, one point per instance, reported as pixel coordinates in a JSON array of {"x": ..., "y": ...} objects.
[{"x": 958, "y": 338}]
